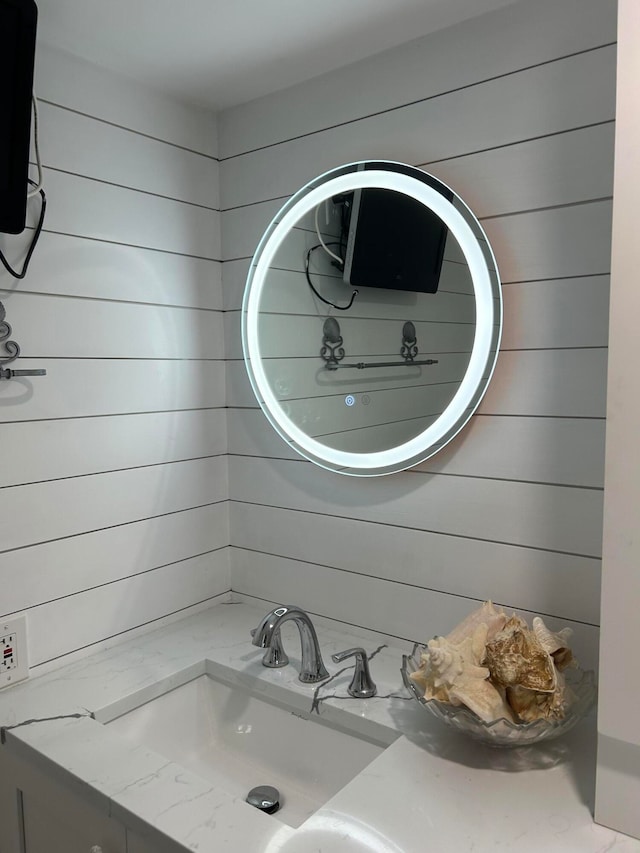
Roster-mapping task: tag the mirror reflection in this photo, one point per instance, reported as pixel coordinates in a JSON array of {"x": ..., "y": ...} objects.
[{"x": 366, "y": 320}]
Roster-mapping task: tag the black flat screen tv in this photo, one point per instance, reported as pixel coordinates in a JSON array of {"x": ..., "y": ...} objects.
[
  {"x": 18, "y": 21},
  {"x": 394, "y": 242}
]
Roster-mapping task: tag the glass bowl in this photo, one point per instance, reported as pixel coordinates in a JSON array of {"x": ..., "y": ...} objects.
[{"x": 503, "y": 732}]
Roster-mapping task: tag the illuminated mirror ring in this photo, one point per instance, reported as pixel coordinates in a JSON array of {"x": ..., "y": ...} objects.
[{"x": 488, "y": 306}]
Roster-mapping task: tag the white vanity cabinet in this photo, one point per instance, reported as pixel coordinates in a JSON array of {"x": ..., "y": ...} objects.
[
  {"x": 57, "y": 822},
  {"x": 40, "y": 815},
  {"x": 137, "y": 844}
]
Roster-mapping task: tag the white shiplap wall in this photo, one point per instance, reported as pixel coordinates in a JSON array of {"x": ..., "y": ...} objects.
[
  {"x": 515, "y": 110},
  {"x": 113, "y": 482}
]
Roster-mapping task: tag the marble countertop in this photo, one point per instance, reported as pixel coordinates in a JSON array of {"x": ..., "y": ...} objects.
[{"x": 431, "y": 788}]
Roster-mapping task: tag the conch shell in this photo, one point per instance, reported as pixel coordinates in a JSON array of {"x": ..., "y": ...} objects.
[
  {"x": 532, "y": 705},
  {"x": 485, "y": 615},
  {"x": 498, "y": 667},
  {"x": 451, "y": 668},
  {"x": 516, "y": 657},
  {"x": 556, "y": 644}
]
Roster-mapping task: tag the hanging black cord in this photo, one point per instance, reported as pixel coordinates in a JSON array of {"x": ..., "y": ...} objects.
[
  {"x": 25, "y": 266},
  {"x": 310, "y": 283}
]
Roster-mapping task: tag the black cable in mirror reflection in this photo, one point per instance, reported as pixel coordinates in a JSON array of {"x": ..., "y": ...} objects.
[{"x": 311, "y": 285}]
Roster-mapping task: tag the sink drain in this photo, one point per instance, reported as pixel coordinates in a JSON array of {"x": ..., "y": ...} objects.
[{"x": 264, "y": 797}]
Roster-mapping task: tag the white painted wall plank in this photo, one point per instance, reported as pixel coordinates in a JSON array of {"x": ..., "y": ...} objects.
[
  {"x": 558, "y": 450},
  {"x": 86, "y": 387},
  {"x": 566, "y": 168},
  {"x": 570, "y": 167},
  {"x": 460, "y": 122},
  {"x": 553, "y": 383},
  {"x": 531, "y": 152},
  {"x": 88, "y": 208},
  {"x": 565, "y": 451},
  {"x": 76, "y": 266},
  {"x": 55, "y": 449},
  {"x": 97, "y": 614},
  {"x": 80, "y": 85},
  {"x": 45, "y": 511},
  {"x": 499, "y": 43},
  {"x": 414, "y": 614},
  {"x": 114, "y": 497},
  {"x": 234, "y": 277},
  {"x": 82, "y": 145},
  {"x": 561, "y": 313},
  {"x": 67, "y": 566},
  {"x": 550, "y": 517},
  {"x": 547, "y": 582},
  {"x": 566, "y": 241},
  {"x": 59, "y": 327}
]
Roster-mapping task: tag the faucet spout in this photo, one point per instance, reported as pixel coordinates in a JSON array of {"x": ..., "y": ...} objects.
[{"x": 312, "y": 668}]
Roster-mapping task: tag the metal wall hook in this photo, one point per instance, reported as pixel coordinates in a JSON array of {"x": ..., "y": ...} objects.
[{"x": 13, "y": 351}]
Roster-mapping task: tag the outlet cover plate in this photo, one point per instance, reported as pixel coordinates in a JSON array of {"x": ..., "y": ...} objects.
[{"x": 14, "y": 664}]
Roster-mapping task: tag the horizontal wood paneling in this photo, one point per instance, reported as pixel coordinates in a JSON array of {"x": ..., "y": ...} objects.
[
  {"x": 566, "y": 168},
  {"x": 87, "y": 387},
  {"x": 75, "y": 563},
  {"x": 85, "y": 207},
  {"x": 91, "y": 617},
  {"x": 114, "y": 496},
  {"x": 560, "y": 584},
  {"x": 58, "y": 327},
  {"x": 59, "y": 508},
  {"x": 515, "y": 111},
  {"x": 555, "y": 518},
  {"x": 414, "y": 614},
  {"x": 90, "y": 268},
  {"x": 81, "y": 145},
  {"x": 544, "y": 315},
  {"x": 569, "y": 167},
  {"x": 565, "y": 241},
  {"x": 54, "y": 449},
  {"x": 546, "y": 450},
  {"x": 451, "y": 125},
  {"x": 79, "y": 85},
  {"x": 234, "y": 277},
  {"x": 242, "y": 227},
  {"x": 513, "y": 38},
  {"x": 566, "y": 383}
]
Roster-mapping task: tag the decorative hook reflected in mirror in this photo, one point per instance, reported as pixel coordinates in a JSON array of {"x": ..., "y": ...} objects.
[{"x": 333, "y": 352}]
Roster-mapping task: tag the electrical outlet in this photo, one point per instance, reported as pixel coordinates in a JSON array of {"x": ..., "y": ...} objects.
[{"x": 14, "y": 665}]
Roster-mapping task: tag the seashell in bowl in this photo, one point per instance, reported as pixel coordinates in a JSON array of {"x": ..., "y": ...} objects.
[{"x": 500, "y": 681}]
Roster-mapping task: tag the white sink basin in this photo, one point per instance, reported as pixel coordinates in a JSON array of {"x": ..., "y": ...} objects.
[{"x": 238, "y": 741}]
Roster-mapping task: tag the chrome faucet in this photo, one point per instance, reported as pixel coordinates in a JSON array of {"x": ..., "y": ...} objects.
[
  {"x": 362, "y": 685},
  {"x": 268, "y": 632}
]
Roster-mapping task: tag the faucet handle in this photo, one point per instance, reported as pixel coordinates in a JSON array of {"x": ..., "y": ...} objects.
[
  {"x": 362, "y": 686},
  {"x": 275, "y": 656}
]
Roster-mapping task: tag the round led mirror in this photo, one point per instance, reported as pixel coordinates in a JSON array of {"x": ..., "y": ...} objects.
[{"x": 371, "y": 318}]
